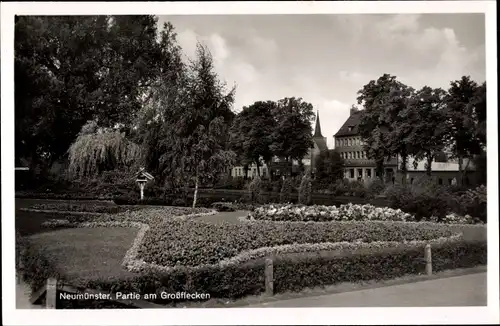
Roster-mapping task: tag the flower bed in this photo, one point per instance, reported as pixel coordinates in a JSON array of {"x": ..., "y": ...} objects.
[
  {"x": 347, "y": 212},
  {"x": 192, "y": 243}
]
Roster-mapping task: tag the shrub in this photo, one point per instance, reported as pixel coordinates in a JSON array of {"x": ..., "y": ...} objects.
[
  {"x": 305, "y": 190},
  {"x": 254, "y": 190},
  {"x": 376, "y": 187},
  {"x": 286, "y": 191},
  {"x": 224, "y": 207},
  {"x": 474, "y": 202},
  {"x": 422, "y": 199},
  {"x": 82, "y": 207}
]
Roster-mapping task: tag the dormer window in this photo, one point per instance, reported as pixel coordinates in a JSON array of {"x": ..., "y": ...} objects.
[{"x": 350, "y": 128}]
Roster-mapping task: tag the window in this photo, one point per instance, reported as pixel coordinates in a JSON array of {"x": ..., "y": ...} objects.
[
  {"x": 350, "y": 142},
  {"x": 450, "y": 181},
  {"x": 358, "y": 155},
  {"x": 411, "y": 181},
  {"x": 360, "y": 173},
  {"x": 350, "y": 154},
  {"x": 368, "y": 173},
  {"x": 351, "y": 173},
  {"x": 440, "y": 181}
]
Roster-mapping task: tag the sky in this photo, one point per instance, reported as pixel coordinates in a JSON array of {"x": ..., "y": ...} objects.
[{"x": 327, "y": 58}]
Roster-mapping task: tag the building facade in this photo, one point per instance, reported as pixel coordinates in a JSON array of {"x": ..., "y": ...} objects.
[
  {"x": 349, "y": 144},
  {"x": 279, "y": 166}
]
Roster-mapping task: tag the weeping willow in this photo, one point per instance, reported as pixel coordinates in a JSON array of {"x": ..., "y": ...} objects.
[{"x": 93, "y": 153}]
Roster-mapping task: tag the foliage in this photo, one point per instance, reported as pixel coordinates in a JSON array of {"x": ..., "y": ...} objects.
[
  {"x": 428, "y": 130},
  {"x": 474, "y": 202},
  {"x": 375, "y": 264},
  {"x": 305, "y": 190},
  {"x": 233, "y": 183},
  {"x": 251, "y": 133},
  {"x": 254, "y": 189},
  {"x": 286, "y": 191},
  {"x": 376, "y": 187},
  {"x": 329, "y": 167},
  {"x": 423, "y": 198},
  {"x": 71, "y": 69},
  {"x": 465, "y": 111},
  {"x": 195, "y": 243},
  {"x": 292, "y": 137},
  {"x": 86, "y": 207},
  {"x": 93, "y": 153}
]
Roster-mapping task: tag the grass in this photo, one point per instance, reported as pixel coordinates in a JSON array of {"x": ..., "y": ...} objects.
[{"x": 87, "y": 253}]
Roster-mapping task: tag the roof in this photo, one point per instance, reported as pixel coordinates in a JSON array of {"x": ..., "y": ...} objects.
[
  {"x": 317, "y": 129},
  {"x": 321, "y": 143},
  {"x": 350, "y": 126}
]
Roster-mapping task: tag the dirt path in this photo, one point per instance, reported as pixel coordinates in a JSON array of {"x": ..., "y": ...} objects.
[{"x": 221, "y": 217}]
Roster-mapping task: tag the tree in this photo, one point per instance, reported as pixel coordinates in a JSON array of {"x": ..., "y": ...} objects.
[
  {"x": 292, "y": 137},
  {"x": 428, "y": 130},
  {"x": 72, "y": 69},
  {"x": 97, "y": 149},
  {"x": 461, "y": 117},
  {"x": 329, "y": 167},
  {"x": 377, "y": 118},
  {"x": 202, "y": 124},
  {"x": 251, "y": 133}
]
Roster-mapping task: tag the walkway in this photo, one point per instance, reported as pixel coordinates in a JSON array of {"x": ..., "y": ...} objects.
[
  {"x": 23, "y": 293},
  {"x": 465, "y": 290}
]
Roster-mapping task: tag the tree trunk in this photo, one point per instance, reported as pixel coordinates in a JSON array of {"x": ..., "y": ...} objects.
[
  {"x": 258, "y": 167},
  {"x": 428, "y": 167},
  {"x": 195, "y": 190},
  {"x": 460, "y": 170},
  {"x": 404, "y": 169},
  {"x": 291, "y": 166}
]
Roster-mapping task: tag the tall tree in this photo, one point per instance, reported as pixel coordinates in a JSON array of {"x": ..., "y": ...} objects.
[
  {"x": 72, "y": 69},
  {"x": 462, "y": 121},
  {"x": 292, "y": 137},
  {"x": 428, "y": 130},
  {"x": 251, "y": 133},
  {"x": 329, "y": 166},
  {"x": 202, "y": 124},
  {"x": 376, "y": 121}
]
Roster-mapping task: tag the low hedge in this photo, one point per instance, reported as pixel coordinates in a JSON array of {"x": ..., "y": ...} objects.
[
  {"x": 191, "y": 243},
  {"x": 295, "y": 274},
  {"x": 291, "y": 273},
  {"x": 78, "y": 207}
]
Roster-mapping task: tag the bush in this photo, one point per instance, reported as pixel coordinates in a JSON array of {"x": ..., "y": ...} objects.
[
  {"x": 254, "y": 190},
  {"x": 305, "y": 190},
  {"x": 474, "y": 202},
  {"x": 232, "y": 183},
  {"x": 224, "y": 207},
  {"x": 422, "y": 199},
  {"x": 376, "y": 187},
  {"x": 286, "y": 191}
]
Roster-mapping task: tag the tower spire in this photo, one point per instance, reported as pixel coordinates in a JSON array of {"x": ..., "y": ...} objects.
[{"x": 317, "y": 129}]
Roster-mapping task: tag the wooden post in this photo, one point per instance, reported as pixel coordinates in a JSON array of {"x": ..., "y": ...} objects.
[
  {"x": 428, "y": 259},
  {"x": 269, "y": 277},
  {"x": 51, "y": 293}
]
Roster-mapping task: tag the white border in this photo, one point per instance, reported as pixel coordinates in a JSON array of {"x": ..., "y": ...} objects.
[{"x": 243, "y": 316}]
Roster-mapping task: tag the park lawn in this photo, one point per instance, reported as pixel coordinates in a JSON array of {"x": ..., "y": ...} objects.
[{"x": 82, "y": 254}]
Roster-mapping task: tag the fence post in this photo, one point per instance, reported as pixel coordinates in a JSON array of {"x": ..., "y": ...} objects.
[
  {"x": 428, "y": 259},
  {"x": 51, "y": 293},
  {"x": 269, "y": 279}
]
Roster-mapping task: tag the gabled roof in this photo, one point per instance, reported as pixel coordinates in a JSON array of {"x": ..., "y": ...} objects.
[{"x": 350, "y": 127}]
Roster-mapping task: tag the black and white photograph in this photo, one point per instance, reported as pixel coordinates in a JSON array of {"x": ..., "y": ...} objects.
[{"x": 224, "y": 163}]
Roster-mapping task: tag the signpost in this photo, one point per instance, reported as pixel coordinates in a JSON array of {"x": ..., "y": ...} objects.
[{"x": 142, "y": 178}]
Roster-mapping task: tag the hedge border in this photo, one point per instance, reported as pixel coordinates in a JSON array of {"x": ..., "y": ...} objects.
[{"x": 247, "y": 219}]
